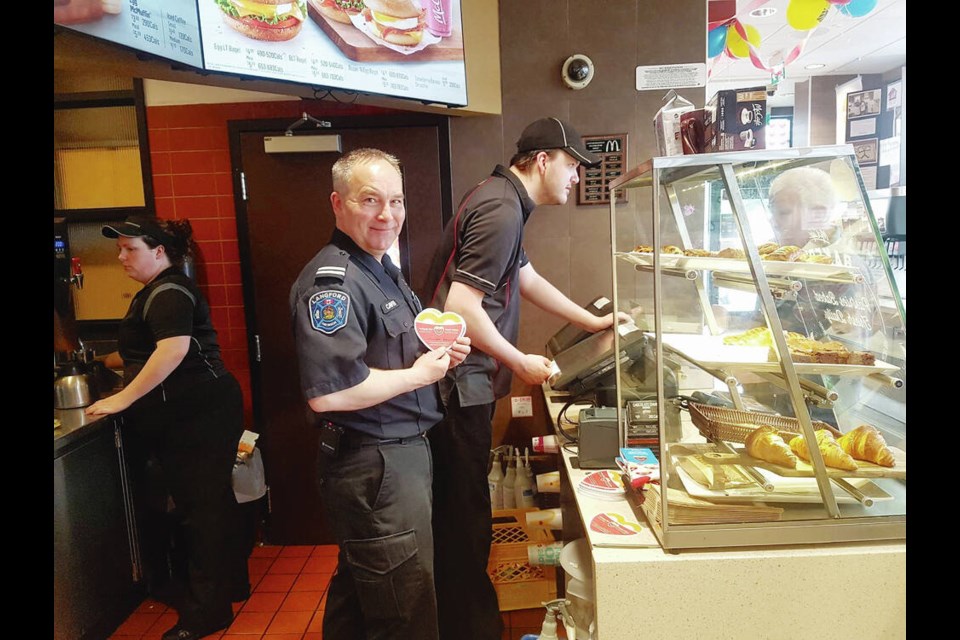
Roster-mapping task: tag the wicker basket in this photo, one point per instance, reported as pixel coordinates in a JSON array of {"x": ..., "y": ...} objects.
[
  {"x": 733, "y": 425},
  {"x": 519, "y": 584}
]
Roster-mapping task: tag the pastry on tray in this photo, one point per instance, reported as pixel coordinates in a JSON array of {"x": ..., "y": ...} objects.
[
  {"x": 867, "y": 443},
  {"x": 817, "y": 258},
  {"x": 730, "y": 252},
  {"x": 833, "y": 455},
  {"x": 671, "y": 249},
  {"x": 767, "y": 247},
  {"x": 765, "y": 443},
  {"x": 802, "y": 348},
  {"x": 643, "y": 248},
  {"x": 698, "y": 253}
]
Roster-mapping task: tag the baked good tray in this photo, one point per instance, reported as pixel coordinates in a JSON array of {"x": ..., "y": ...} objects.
[
  {"x": 733, "y": 426},
  {"x": 810, "y": 270},
  {"x": 709, "y": 352}
]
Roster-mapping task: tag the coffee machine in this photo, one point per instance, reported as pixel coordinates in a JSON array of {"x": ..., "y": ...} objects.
[{"x": 66, "y": 275}]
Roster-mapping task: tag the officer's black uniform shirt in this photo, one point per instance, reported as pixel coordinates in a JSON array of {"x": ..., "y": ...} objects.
[
  {"x": 349, "y": 316},
  {"x": 169, "y": 306},
  {"x": 483, "y": 247}
]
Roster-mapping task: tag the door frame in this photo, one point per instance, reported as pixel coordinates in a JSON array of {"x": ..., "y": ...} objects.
[{"x": 236, "y": 128}]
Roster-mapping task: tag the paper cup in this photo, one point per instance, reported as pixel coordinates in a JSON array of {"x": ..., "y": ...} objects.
[
  {"x": 548, "y": 482},
  {"x": 545, "y": 553},
  {"x": 545, "y": 519}
]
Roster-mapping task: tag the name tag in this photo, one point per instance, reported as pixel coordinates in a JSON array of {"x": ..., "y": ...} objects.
[{"x": 388, "y": 306}]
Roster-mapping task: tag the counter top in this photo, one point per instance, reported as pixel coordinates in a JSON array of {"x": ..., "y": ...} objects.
[{"x": 74, "y": 427}]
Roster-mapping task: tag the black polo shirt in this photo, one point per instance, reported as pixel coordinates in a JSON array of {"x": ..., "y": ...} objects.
[
  {"x": 170, "y": 305},
  {"x": 349, "y": 316},
  {"x": 482, "y": 247}
]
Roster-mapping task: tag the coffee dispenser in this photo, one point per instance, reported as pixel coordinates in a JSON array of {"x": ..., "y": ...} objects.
[{"x": 67, "y": 274}]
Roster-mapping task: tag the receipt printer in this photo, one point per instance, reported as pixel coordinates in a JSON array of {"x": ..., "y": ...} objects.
[{"x": 599, "y": 438}]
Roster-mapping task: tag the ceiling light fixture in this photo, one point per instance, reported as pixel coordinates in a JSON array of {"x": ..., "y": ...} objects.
[
  {"x": 763, "y": 12},
  {"x": 816, "y": 65}
]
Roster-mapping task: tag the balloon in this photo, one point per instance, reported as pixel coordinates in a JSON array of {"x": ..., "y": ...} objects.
[
  {"x": 716, "y": 41},
  {"x": 858, "y": 8},
  {"x": 803, "y": 15},
  {"x": 839, "y": 2},
  {"x": 736, "y": 46}
]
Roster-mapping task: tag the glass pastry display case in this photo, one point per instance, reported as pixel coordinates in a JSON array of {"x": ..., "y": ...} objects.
[{"x": 766, "y": 303}]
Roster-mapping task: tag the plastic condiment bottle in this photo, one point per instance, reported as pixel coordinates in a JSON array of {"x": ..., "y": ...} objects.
[
  {"x": 523, "y": 489},
  {"x": 495, "y": 482},
  {"x": 509, "y": 498},
  {"x": 528, "y": 471}
]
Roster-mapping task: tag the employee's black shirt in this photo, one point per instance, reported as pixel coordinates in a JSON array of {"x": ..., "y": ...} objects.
[
  {"x": 483, "y": 247},
  {"x": 170, "y": 305},
  {"x": 351, "y": 314}
]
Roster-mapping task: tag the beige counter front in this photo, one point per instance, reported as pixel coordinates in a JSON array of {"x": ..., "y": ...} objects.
[{"x": 843, "y": 591}]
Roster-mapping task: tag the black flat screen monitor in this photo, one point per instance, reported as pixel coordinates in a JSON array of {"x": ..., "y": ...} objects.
[{"x": 588, "y": 363}]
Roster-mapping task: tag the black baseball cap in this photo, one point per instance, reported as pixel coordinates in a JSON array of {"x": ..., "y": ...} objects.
[
  {"x": 552, "y": 133},
  {"x": 136, "y": 226}
]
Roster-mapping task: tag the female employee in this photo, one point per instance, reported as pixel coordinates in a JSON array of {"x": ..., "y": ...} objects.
[{"x": 180, "y": 401}]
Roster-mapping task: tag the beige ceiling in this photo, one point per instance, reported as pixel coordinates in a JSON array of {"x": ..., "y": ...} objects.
[{"x": 874, "y": 43}]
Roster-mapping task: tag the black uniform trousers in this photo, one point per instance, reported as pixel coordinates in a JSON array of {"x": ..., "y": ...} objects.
[
  {"x": 463, "y": 524},
  {"x": 194, "y": 433},
  {"x": 376, "y": 498}
]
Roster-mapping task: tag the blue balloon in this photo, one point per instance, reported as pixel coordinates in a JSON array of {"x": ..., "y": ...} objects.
[
  {"x": 858, "y": 8},
  {"x": 717, "y": 40}
]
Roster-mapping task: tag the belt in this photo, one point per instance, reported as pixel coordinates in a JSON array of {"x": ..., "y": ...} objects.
[{"x": 355, "y": 440}]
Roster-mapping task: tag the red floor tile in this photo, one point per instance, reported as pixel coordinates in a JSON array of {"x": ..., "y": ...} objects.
[
  {"x": 316, "y": 623},
  {"x": 302, "y": 601},
  {"x": 308, "y": 582},
  {"x": 283, "y": 636},
  {"x": 279, "y": 582},
  {"x": 259, "y": 566},
  {"x": 166, "y": 621},
  {"x": 264, "y": 601},
  {"x": 137, "y": 624},
  {"x": 320, "y": 564},
  {"x": 313, "y": 635},
  {"x": 266, "y": 551},
  {"x": 290, "y": 622},
  {"x": 287, "y": 565},
  {"x": 325, "y": 550},
  {"x": 250, "y": 623},
  {"x": 297, "y": 551},
  {"x": 151, "y": 606}
]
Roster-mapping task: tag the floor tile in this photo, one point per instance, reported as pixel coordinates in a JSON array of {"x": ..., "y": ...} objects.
[
  {"x": 290, "y": 622},
  {"x": 259, "y": 566},
  {"x": 137, "y": 624},
  {"x": 283, "y": 636},
  {"x": 250, "y": 623},
  {"x": 320, "y": 564},
  {"x": 316, "y": 623},
  {"x": 325, "y": 550},
  {"x": 278, "y": 582},
  {"x": 151, "y": 606},
  {"x": 297, "y": 551},
  {"x": 302, "y": 601},
  {"x": 264, "y": 601},
  {"x": 287, "y": 565},
  {"x": 309, "y": 582},
  {"x": 313, "y": 635},
  {"x": 164, "y": 622},
  {"x": 266, "y": 551}
]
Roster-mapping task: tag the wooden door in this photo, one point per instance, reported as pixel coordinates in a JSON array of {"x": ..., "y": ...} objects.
[{"x": 283, "y": 221}]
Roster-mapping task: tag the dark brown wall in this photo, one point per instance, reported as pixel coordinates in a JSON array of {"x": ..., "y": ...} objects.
[{"x": 570, "y": 245}]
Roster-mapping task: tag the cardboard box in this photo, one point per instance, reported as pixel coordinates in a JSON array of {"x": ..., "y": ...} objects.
[
  {"x": 666, "y": 124},
  {"x": 735, "y": 120}
]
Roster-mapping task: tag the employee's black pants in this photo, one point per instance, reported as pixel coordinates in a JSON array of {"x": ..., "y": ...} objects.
[
  {"x": 376, "y": 498},
  {"x": 194, "y": 433},
  {"x": 462, "y": 523}
]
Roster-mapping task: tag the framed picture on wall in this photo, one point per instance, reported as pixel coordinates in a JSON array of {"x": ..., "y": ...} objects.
[
  {"x": 862, "y": 127},
  {"x": 863, "y": 103},
  {"x": 866, "y": 151}
]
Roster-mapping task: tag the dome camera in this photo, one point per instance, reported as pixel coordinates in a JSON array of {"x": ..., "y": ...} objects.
[{"x": 577, "y": 71}]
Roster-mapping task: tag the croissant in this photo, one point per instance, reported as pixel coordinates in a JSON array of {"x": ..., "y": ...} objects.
[
  {"x": 765, "y": 443},
  {"x": 833, "y": 455},
  {"x": 866, "y": 443}
]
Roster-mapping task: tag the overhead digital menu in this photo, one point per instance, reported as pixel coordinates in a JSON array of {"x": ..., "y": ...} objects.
[
  {"x": 167, "y": 28},
  {"x": 403, "y": 48}
]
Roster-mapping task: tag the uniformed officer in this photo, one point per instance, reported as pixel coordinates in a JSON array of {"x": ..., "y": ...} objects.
[
  {"x": 481, "y": 271},
  {"x": 353, "y": 318}
]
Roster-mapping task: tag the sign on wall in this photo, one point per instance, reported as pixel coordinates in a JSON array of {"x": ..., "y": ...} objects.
[{"x": 595, "y": 181}]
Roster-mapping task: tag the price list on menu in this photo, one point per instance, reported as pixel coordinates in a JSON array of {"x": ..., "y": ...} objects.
[
  {"x": 595, "y": 181},
  {"x": 166, "y": 28}
]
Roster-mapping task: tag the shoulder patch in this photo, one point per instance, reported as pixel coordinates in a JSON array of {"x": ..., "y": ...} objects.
[{"x": 329, "y": 311}]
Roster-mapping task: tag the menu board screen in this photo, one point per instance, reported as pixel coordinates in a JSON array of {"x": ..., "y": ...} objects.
[
  {"x": 166, "y": 28},
  {"x": 402, "y": 48}
]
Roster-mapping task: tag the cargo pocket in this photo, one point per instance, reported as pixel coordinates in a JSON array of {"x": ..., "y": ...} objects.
[{"x": 387, "y": 574}]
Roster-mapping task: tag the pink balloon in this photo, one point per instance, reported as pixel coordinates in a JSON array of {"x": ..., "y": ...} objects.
[{"x": 839, "y": 2}]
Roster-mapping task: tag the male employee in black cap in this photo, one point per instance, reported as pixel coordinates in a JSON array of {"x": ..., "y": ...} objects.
[{"x": 479, "y": 271}]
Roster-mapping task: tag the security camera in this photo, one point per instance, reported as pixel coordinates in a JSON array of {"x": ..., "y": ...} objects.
[
  {"x": 771, "y": 90},
  {"x": 577, "y": 71}
]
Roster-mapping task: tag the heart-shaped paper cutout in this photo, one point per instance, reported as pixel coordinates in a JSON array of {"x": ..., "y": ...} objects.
[
  {"x": 615, "y": 524},
  {"x": 439, "y": 329}
]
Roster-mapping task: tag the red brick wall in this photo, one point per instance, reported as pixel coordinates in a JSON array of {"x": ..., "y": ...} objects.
[{"x": 190, "y": 155}]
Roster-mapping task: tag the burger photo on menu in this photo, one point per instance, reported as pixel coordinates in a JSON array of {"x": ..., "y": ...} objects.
[
  {"x": 398, "y": 22},
  {"x": 271, "y": 20},
  {"x": 339, "y": 10}
]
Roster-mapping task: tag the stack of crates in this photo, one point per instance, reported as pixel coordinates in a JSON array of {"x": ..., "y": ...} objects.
[{"x": 519, "y": 584}]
